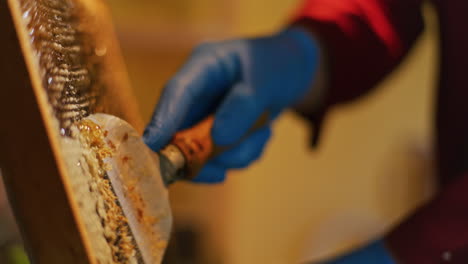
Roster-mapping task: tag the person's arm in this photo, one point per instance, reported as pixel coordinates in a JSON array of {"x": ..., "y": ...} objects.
[{"x": 362, "y": 41}]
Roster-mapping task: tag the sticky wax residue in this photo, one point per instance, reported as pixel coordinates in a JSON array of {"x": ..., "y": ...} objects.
[
  {"x": 65, "y": 58},
  {"x": 116, "y": 229}
]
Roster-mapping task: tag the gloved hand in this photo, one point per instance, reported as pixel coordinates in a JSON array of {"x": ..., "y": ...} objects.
[
  {"x": 375, "y": 253},
  {"x": 238, "y": 80}
]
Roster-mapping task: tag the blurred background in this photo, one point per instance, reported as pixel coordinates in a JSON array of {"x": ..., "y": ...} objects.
[{"x": 372, "y": 168}]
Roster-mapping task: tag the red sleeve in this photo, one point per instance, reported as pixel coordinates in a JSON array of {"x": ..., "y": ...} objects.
[{"x": 364, "y": 40}]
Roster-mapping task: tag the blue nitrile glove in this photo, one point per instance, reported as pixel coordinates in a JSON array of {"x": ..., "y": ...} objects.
[
  {"x": 375, "y": 253},
  {"x": 238, "y": 80}
]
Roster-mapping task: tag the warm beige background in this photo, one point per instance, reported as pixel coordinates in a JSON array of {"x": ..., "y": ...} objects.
[{"x": 295, "y": 204}]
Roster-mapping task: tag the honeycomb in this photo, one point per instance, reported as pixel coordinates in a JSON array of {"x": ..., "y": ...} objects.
[
  {"x": 67, "y": 63},
  {"x": 69, "y": 66}
]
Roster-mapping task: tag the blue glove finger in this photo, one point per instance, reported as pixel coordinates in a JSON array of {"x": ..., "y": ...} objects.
[
  {"x": 375, "y": 253},
  {"x": 236, "y": 115},
  {"x": 200, "y": 82},
  {"x": 225, "y": 68},
  {"x": 248, "y": 151},
  {"x": 211, "y": 173}
]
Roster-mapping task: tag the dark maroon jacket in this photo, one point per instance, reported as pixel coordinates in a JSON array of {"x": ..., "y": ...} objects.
[{"x": 365, "y": 40}]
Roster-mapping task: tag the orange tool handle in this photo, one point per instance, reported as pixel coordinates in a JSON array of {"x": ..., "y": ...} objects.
[{"x": 197, "y": 146}]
